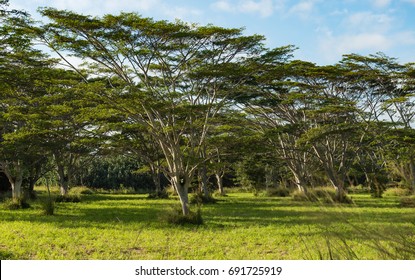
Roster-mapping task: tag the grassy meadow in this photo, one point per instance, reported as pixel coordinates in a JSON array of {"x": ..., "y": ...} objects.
[{"x": 238, "y": 226}]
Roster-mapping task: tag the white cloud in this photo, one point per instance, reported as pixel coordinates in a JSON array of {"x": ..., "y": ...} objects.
[
  {"x": 223, "y": 6},
  {"x": 264, "y": 8},
  {"x": 368, "y": 22},
  {"x": 302, "y": 8},
  {"x": 162, "y": 8},
  {"x": 381, "y": 3},
  {"x": 181, "y": 12},
  {"x": 333, "y": 47}
]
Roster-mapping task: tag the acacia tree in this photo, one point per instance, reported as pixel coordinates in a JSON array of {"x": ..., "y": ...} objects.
[
  {"x": 174, "y": 76},
  {"x": 21, "y": 69},
  {"x": 384, "y": 91}
]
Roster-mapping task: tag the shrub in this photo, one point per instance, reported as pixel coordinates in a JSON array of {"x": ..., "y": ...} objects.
[
  {"x": 48, "y": 207},
  {"x": 200, "y": 198},
  {"x": 171, "y": 191},
  {"x": 302, "y": 196},
  {"x": 279, "y": 192},
  {"x": 218, "y": 194},
  {"x": 158, "y": 195},
  {"x": 176, "y": 217},
  {"x": 14, "y": 204},
  {"x": 77, "y": 191},
  {"x": 68, "y": 198},
  {"x": 359, "y": 189},
  {"x": 239, "y": 190},
  {"x": 323, "y": 193},
  {"x": 400, "y": 192},
  {"x": 407, "y": 201},
  {"x": 273, "y": 192}
]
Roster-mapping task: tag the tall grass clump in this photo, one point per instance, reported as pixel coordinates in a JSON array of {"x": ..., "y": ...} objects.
[
  {"x": 175, "y": 216},
  {"x": 81, "y": 190},
  {"x": 159, "y": 195},
  {"x": 199, "y": 198},
  {"x": 407, "y": 201},
  {"x": 15, "y": 204},
  {"x": 48, "y": 206},
  {"x": 399, "y": 192},
  {"x": 273, "y": 192}
]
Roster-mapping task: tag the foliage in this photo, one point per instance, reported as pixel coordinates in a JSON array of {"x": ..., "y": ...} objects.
[
  {"x": 200, "y": 198},
  {"x": 274, "y": 192},
  {"x": 81, "y": 190},
  {"x": 48, "y": 207},
  {"x": 159, "y": 195},
  {"x": 407, "y": 201},
  {"x": 397, "y": 192},
  {"x": 112, "y": 172},
  {"x": 15, "y": 204}
]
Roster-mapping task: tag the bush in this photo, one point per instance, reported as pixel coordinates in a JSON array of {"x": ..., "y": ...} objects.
[
  {"x": 48, "y": 207},
  {"x": 158, "y": 195},
  {"x": 274, "y": 192},
  {"x": 400, "y": 192},
  {"x": 68, "y": 198},
  {"x": 175, "y": 217},
  {"x": 407, "y": 202},
  {"x": 302, "y": 196},
  {"x": 77, "y": 191},
  {"x": 200, "y": 198},
  {"x": 14, "y": 204},
  {"x": 359, "y": 189},
  {"x": 218, "y": 194}
]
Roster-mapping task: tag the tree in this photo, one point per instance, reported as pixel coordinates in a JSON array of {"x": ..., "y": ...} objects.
[
  {"x": 385, "y": 90},
  {"x": 176, "y": 76},
  {"x": 21, "y": 69}
]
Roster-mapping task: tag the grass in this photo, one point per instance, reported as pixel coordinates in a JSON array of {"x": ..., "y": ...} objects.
[{"x": 239, "y": 226}]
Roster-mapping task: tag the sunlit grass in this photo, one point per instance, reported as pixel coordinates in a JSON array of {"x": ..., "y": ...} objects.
[{"x": 239, "y": 226}]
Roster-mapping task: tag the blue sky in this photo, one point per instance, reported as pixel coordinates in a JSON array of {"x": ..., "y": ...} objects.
[{"x": 322, "y": 30}]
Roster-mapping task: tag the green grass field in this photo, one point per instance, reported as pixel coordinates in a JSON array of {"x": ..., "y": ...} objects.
[{"x": 239, "y": 226}]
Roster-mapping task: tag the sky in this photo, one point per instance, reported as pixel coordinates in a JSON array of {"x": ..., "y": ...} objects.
[{"x": 322, "y": 31}]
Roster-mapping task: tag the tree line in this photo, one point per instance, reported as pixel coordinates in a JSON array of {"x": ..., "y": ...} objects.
[{"x": 190, "y": 102}]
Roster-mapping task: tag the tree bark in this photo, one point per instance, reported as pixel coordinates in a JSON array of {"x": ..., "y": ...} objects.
[
  {"x": 181, "y": 185},
  {"x": 203, "y": 180},
  {"x": 219, "y": 179},
  {"x": 63, "y": 180},
  {"x": 16, "y": 183},
  {"x": 412, "y": 171},
  {"x": 15, "y": 179}
]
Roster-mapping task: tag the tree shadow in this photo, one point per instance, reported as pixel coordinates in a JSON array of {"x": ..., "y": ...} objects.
[{"x": 6, "y": 255}]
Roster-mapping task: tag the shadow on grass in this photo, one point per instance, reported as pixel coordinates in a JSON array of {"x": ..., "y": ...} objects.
[
  {"x": 137, "y": 210},
  {"x": 6, "y": 255}
]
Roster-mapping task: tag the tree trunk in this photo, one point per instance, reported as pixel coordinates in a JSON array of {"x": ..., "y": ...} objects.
[
  {"x": 412, "y": 171},
  {"x": 338, "y": 185},
  {"x": 63, "y": 180},
  {"x": 155, "y": 175},
  {"x": 299, "y": 182},
  {"x": 219, "y": 179},
  {"x": 17, "y": 187},
  {"x": 203, "y": 180},
  {"x": 15, "y": 180},
  {"x": 181, "y": 185}
]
